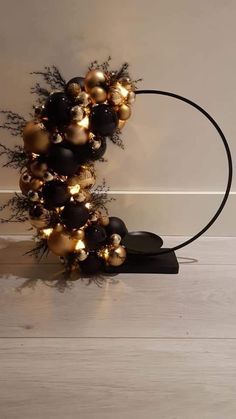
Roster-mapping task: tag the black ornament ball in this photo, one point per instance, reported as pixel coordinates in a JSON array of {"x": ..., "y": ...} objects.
[
  {"x": 116, "y": 226},
  {"x": 62, "y": 160},
  {"x": 75, "y": 215},
  {"x": 57, "y": 109},
  {"x": 103, "y": 120},
  {"x": 92, "y": 265},
  {"x": 95, "y": 235},
  {"x": 55, "y": 194}
]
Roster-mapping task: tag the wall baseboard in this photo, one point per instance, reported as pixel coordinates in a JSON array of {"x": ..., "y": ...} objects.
[{"x": 166, "y": 213}]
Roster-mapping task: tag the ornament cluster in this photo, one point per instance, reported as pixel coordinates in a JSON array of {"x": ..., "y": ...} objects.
[{"x": 68, "y": 134}]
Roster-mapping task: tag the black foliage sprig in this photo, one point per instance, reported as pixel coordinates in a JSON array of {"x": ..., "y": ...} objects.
[
  {"x": 16, "y": 157},
  {"x": 13, "y": 122},
  {"x": 99, "y": 197},
  {"x": 116, "y": 138},
  {"x": 52, "y": 77},
  {"x": 18, "y": 206},
  {"x": 39, "y": 250}
]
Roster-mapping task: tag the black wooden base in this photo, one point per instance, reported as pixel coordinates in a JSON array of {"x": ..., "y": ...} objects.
[{"x": 161, "y": 264}]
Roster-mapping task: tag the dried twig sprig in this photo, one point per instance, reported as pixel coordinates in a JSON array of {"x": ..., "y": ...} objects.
[
  {"x": 39, "y": 250},
  {"x": 99, "y": 197},
  {"x": 16, "y": 157},
  {"x": 19, "y": 206},
  {"x": 52, "y": 77},
  {"x": 116, "y": 139},
  {"x": 14, "y": 122}
]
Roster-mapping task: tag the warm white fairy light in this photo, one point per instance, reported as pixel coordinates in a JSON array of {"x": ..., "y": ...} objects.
[
  {"x": 84, "y": 122},
  {"x": 47, "y": 231},
  {"x": 79, "y": 245},
  {"x": 74, "y": 189},
  {"x": 88, "y": 205}
]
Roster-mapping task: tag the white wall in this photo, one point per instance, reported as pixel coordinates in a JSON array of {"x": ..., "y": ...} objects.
[{"x": 185, "y": 46}]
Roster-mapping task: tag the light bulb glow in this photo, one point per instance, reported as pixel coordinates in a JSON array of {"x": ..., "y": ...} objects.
[
  {"x": 47, "y": 231},
  {"x": 79, "y": 245},
  {"x": 84, "y": 122},
  {"x": 74, "y": 189}
]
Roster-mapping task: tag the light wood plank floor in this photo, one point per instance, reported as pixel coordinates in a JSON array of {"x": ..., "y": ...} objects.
[{"x": 139, "y": 347}]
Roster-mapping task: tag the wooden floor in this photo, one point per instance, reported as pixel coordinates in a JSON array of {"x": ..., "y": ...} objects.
[{"x": 140, "y": 347}]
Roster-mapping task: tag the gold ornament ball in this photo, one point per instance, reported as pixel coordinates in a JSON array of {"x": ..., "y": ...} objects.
[
  {"x": 61, "y": 243},
  {"x": 27, "y": 183},
  {"x": 76, "y": 134},
  {"x": 83, "y": 99},
  {"x": 38, "y": 169},
  {"x": 131, "y": 98},
  {"x": 121, "y": 124},
  {"x": 35, "y": 137},
  {"x": 126, "y": 83},
  {"x": 115, "y": 239},
  {"x": 115, "y": 97},
  {"x": 116, "y": 256},
  {"x": 98, "y": 94},
  {"x": 78, "y": 234},
  {"x": 42, "y": 221},
  {"x": 73, "y": 90},
  {"x": 94, "y": 78},
  {"x": 82, "y": 196},
  {"x": 124, "y": 112},
  {"x": 77, "y": 113}
]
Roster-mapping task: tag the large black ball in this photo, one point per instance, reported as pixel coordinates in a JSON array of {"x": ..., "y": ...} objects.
[
  {"x": 95, "y": 235},
  {"x": 116, "y": 226},
  {"x": 103, "y": 120},
  {"x": 55, "y": 194},
  {"x": 92, "y": 265},
  {"x": 75, "y": 215},
  {"x": 57, "y": 109},
  {"x": 63, "y": 160}
]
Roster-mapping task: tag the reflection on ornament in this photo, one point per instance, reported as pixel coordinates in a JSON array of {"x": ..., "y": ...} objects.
[
  {"x": 94, "y": 78},
  {"x": 123, "y": 91},
  {"x": 115, "y": 239},
  {"x": 78, "y": 234},
  {"x": 84, "y": 122},
  {"x": 74, "y": 189},
  {"x": 79, "y": 245},
  {"x": 82, "y": 255},
  {"x": 77, "y": 113},
  {"x": 46, "y": 232}
]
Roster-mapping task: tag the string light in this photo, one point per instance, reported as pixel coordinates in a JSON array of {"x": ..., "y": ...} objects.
[
  {"x": 74, "y": 189},
  {"x": 79, "y": 245}
]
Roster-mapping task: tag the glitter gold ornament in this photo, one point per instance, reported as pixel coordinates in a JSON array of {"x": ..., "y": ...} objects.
[
  {"x": 76, "y": 134},
  {"x": 73, "y": 89},
  {"x": 35, "y": 137},
  {"x": 98, "y": 94},
  {"x": 124, "y": 112},
  {"x": 61, "y": 243},
  {"x": 85, "y": 178},
  {"x": 27, "y": 183},
  {"x": 38, "y": 168},
  {"x": 116, "y": 256},
  {"x": 39, "y": 217},
  {"x": 131, "y": 98},
  {"x": 115, "y": 97},
  {"x": 94, "y": 78},
  {"x": 77, "y": 113}
]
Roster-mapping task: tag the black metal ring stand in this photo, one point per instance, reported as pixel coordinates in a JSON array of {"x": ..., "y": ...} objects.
[{"x": 229, "y": 160}]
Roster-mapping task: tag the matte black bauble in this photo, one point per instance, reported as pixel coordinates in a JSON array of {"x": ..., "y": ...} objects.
[
  {"x": 55, "y": 194},
  {"x": 57, "y": 109},
  {"x": 75, "y": 215},
  {"x": 103, "y": 120},
  {"x": 96, "y": 154},
  {"x": 92, "y": 265},
  {"x": 116, "y": 226},
  {"x": 95, "y": 235},
  {"x": 62, "y": 160}
]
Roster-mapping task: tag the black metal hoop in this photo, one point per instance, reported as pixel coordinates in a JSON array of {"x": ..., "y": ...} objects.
[{"x": 229, "y": 161}]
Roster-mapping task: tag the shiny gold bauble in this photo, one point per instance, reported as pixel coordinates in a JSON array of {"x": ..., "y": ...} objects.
[
  {"x": 115, "y": 96},
  {"x": 78, "y": 234},
  {"x": 35, "y": 137},
  {"x": 115, "y": 240},
  {"x": 131, "y": 98},
  {"x": 94, "y": 78},
  {"x": 121, "y": 124},
  {"x": 116, "y": 256},
  {"x": 41, "y": 221},
  {"x": 73, "y": 89},
  {"x": 61, "y": 243},
  {"x": 126, "y": 83},
  {"x": 38, "y": 169},
  {"x": 27, "y": 183},
  {"x": 85, "y": 178},
  {"x": 77, "y": 113},
  {"x": 124, "y": 112},
  {"x": 98, "y": 94},
  {"x": 76, "y": 134}
]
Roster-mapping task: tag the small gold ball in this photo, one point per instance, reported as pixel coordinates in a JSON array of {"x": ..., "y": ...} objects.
[
  {"x": 78, "y": 235},
  {"x": 94, "y": 78},
  {"x": 98, "y": 94},
  {"x": 124, "y": 112},
  {"x": 115, "y": 239},
  {"x": 104, "y": 220},
  {"x": 27, "y": 183},
  {"x": 61, "y": 243},
  {"x": 73, "y": 89},
  {"x": 76, "y": 134},
  {"x": 38, "y": 169},
  {"x": 77, "y": 113},
  {"x": 121, "y": 124},
  {"x": 131, "y": 98},
  {"x": 116, "y": 256},
  {"x": 35, "y": 137},
  {"x": 115, "y": 97}
]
